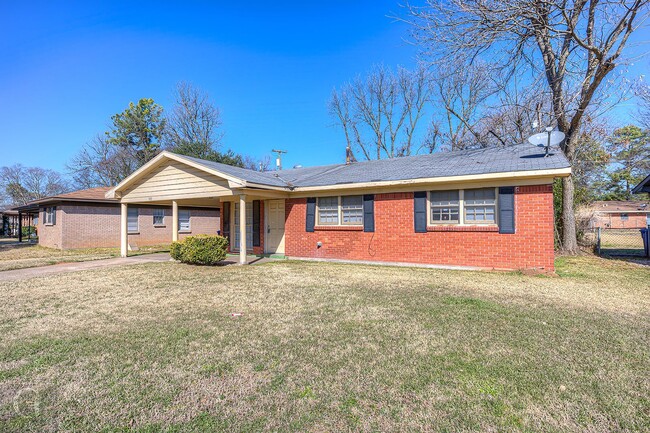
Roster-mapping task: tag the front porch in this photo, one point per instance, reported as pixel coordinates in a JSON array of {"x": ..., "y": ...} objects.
[{"x": 251, "y": 218}]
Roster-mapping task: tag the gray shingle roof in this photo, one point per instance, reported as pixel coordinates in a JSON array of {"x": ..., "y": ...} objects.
[{"x": 522, "y": 157}]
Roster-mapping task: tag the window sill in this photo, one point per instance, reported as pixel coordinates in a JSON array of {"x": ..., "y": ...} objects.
[
  {"x": 184, "y": 232},
  {"x": 49, "y": 225},
  {"x": 133, "y": 233},
  {"x": 339, "y": 228},
  {"x": 159, "y": 226},
  {"x": 464, "y": 228}
]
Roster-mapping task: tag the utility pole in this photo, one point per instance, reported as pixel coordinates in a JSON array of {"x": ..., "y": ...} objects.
[{"x": 278, "y": 160}]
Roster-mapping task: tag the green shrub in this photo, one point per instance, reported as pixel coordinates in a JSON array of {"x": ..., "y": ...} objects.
[{"x": 200, "y": 250}]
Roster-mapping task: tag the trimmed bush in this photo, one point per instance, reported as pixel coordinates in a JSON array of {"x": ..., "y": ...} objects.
[{"x": 200, "y": 250}]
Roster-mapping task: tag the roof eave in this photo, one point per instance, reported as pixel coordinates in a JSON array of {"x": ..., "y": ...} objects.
[{"x": 552, "y": 173}]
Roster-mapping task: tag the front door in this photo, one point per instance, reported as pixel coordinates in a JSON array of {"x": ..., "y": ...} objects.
[{"x": 274, "y": 235}]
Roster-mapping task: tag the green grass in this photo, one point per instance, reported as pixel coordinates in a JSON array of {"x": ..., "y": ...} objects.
[{"x": 327, "y": 347}]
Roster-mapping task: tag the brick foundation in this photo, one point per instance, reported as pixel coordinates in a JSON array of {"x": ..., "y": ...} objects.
[{"x": 394, "y": 239}]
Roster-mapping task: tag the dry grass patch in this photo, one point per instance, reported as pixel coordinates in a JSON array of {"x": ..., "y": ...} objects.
[
  {"x": 327, "y": 347},
  {"x": 29, "y": 256}
]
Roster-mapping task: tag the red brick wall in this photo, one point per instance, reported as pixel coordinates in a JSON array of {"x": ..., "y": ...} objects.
[
  {"x": 394, "y": 239},
  {"x": 614, "y": 221},
  {"x": 96, "y": 226},
  {"x": 249, "y": 208}
]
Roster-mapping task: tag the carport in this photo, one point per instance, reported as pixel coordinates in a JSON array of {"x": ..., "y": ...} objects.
[{"x": 175, "y": 180}]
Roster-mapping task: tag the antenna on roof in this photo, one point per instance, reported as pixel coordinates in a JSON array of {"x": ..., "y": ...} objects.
[
  {"x": 547, "y": 139},
  {"x": 278, "y": 160}
]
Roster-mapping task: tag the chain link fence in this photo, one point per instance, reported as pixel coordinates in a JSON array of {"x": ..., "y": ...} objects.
[{"x": 619, "y": 242}]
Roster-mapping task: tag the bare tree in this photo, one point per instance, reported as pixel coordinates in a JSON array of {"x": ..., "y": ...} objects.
[
  {"x": 21, "y": 185},
  {"x": 100, "y": 163},
  {"x": 379, "y": 114},
  {"x": 573, "y": 44},
  {"x": 193, "y": 128}
]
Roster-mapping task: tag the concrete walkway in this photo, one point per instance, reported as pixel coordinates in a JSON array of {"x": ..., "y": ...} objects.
[{"x": 42, "y": 271}]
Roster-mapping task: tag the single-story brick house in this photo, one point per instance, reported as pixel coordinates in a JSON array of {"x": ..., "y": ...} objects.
[
  {"x": 486, "y": 208},
  {"x": 87, "y": 219},
  {"x": 618, "y": 214}
]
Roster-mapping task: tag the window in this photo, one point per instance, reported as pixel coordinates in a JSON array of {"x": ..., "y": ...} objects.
[
  {"x": 132, "y": 219},
  {"x": 249, "y": 228},
  {"x": 469, "y": 206},
  {"x": 50, "y": 215},
  {"x": 347, "y": 210},
  {"x": 328, "y": 211},
  {"x": 480, "y": 206},
  {"x": 158, "y": 217},
  {"x": 184, "y": 220},
  {"x": 445, "y": 207},
  {"x": 352, "y": 210},
  {"x": 624, "y": 217}
]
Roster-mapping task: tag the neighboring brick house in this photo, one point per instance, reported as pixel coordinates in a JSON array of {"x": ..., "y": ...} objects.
[
  {"x": 486, "y": 208},
  {"x": 87, "y": 219},
  {"x": 618, "y": 214}
]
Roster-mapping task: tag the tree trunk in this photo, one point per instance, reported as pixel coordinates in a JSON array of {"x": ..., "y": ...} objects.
[{"x": 569, "y": 237}]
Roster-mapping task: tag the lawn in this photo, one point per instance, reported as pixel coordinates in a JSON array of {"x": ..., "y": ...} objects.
[
  {"x": 26, "y": 255},
  {"x": 327, "y": 347}
]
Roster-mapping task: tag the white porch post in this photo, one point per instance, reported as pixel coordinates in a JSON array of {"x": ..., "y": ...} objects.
[
  {"x": 124, "y": 226},
  {"x": 242, "y": 229},
  {"x": 174, "y": 221}
]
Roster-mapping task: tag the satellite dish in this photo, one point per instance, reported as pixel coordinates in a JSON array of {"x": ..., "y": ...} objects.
[{"x": 547, "y": 139}]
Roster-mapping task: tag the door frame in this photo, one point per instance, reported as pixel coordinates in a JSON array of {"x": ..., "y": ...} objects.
[{"x": 266, "y": 224}]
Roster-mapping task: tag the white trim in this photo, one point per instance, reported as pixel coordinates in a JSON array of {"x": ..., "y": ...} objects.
[{"x": 549, "y": 174}]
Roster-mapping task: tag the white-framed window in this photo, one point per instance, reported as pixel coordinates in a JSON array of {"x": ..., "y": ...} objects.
[
  {"x": 50, "y": 215},
  {"x": 132, "y": 219},
  {"x": 625, "y": 217},
  {"x": 463, "y": 206},
  {"x": 328, "y": 211},
  {"x": 445, "y": 207},
  {"x": 158, "y": 217},
  {"x": 352, "y": 210},
  {"x": 340, "y": 210},
  {"x": 480, "y": 206},
  {"x": 183, "y": 220}
]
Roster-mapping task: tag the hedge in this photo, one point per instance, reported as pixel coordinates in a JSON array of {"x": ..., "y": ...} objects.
[{"x": 200, "y": 250}]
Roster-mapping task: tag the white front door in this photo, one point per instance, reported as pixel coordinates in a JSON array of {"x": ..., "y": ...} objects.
[{"x": 274, "y": 234}]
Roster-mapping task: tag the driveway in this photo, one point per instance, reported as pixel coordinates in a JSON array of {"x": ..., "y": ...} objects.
[{"x": 21, "y": 274}]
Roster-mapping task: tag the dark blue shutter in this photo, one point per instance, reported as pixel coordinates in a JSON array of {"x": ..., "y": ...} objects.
[
  {"x": 369, "y": 213},
  {"x": 225, "y": 214},
  {"x": 420, "y": 211},
  {"x": 54, "y": 215},
  {"x": 507, "y": 209},
  {"x": 311, "y": 214},
  {"x": 256, "y": 223}
]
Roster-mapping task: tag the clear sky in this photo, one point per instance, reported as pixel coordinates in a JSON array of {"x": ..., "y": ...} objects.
[{"x": 270, "y": 66}]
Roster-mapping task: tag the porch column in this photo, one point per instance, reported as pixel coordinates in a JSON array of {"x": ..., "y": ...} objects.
[
  {"x": 124, "y": 226},
  {"x": 174, "y": 221},
  {"x": 20, "y": 226},
  {"x": 242, "y": 229}
]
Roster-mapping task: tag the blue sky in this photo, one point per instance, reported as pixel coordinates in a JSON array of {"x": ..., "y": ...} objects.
[{"x": 269, "y": 66}]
